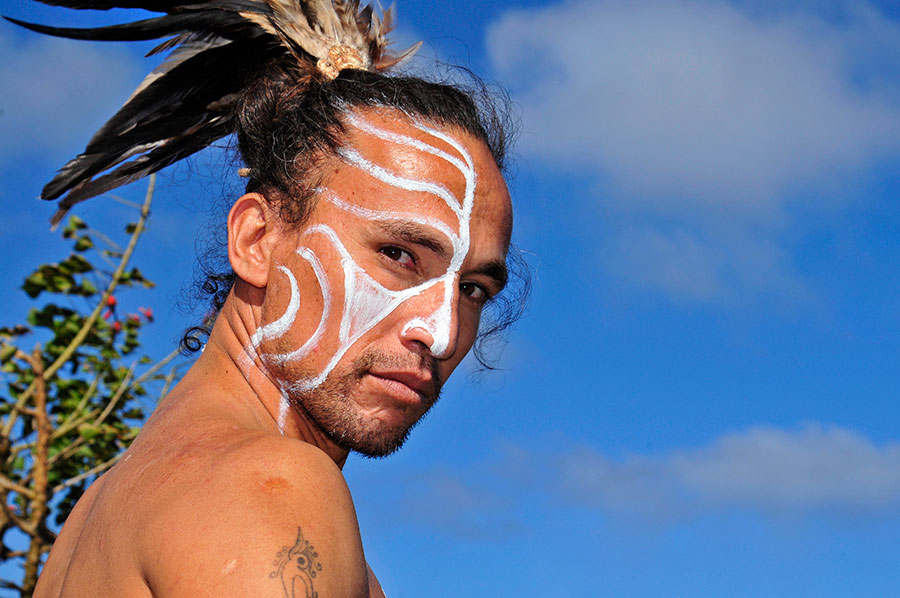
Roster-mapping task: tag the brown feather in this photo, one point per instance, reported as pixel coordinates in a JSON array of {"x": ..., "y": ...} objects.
[{"x": 181, "y": 106}]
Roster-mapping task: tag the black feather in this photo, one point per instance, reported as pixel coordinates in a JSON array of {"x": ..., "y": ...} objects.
[
  {"x": 164, "y": 155},
  {"x": 143, "y": 30},
  {"x": 176, "y": 102},
  {"x": 151, "y": 5},
  {"x": 186, "y": 103}
]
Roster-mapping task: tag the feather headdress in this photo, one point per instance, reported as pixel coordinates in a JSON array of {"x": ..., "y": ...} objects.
[{"x": 215, "y": 48}]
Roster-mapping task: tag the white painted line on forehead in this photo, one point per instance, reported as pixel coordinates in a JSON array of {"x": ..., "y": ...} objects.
[
  {"x": 469, "y": 199},
  {"x": 454, "y": 143},
  {"x": 391, "y": 136},
  {"x": 355, "y": 158},
  {"x": 379, "y": 215}
]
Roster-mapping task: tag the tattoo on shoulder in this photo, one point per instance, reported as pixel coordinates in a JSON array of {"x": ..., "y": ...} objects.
[{"x": 297, "y": 566}]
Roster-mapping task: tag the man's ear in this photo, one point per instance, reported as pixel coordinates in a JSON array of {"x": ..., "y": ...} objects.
[{"x": 252, "y": 234}]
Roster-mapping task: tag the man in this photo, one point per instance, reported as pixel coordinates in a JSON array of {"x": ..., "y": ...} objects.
[{"x": 336, "y": 336}]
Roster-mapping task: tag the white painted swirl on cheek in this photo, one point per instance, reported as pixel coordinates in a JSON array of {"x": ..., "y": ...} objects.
[
  {"x": 280, "y": 326},
  {"x": 313, "y": 340}
]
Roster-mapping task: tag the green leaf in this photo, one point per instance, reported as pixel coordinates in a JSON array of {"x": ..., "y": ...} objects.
[
  {"x": 74, "y": 224},
  {"x": 45, "y": 316},
  {"x": 17, "y": 330},
  {"x": 61, "y": 283},
  {"x": 7, "y": 352},
  {"x": 137, "y": 276},
  {"x": 85, "y": 289},
  {"x": 84, "y": 243},
  {"x": 76, "y": 264},
  {"x": 34, "y": 284},
  {"x": 87, "y": 431}
]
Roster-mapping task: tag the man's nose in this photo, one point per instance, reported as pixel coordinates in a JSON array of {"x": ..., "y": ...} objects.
[{"x": 438, "y": 326}]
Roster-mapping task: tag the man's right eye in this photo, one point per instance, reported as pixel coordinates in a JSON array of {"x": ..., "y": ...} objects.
[{"x": 401, "y": 256}]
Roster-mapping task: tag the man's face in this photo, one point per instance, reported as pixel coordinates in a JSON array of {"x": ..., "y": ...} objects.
[{"x": 375, "y": 301}]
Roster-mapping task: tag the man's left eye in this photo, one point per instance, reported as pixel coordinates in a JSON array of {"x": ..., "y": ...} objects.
[
  {"x": 401, "y": 256},
  {"x": 473, "y": 291}
]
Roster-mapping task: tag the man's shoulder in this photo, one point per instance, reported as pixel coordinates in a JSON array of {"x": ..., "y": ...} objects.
[
  {"x": 256, "y": 513},
  {"x": 273, "y": 466},
  {"x": 235, "y": 470}
]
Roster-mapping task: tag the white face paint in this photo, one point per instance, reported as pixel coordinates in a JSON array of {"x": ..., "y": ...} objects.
[{"x": 366, "y": 301}]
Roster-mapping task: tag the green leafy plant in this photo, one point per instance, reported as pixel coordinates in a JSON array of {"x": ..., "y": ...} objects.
[{"x": 73, "y": 402}]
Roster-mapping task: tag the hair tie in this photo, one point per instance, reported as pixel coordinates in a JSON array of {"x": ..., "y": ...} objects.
[{"x": 338, "y": 58}]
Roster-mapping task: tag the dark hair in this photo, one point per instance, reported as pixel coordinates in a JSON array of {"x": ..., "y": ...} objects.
[{"x": 288, "y": 121}]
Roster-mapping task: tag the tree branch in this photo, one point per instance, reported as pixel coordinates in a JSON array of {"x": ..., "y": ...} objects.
[
  {"x": 158, "y": 366},
  {"x": 123, "y": 388},
  {"x": 8, "y": 585},
  {"x": 84, "y": 475},
  {"x": 8, "y": 484},
  {"x": 170, "y": 378},
  {"x": 40, "y": 499},
  {"x": 72, "y": 421},
  {"x": 92, "y": 318}
]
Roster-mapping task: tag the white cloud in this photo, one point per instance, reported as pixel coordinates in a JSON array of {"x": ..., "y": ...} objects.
[
  {"x": 706, "y": 116},
  {"x": 799, "y": 475},
  {"x": 769, "y": 470},
  {"x": 691, "y": 265},
  {"x": 463, "y": 501},
  {"x": 56, "y": 93}
]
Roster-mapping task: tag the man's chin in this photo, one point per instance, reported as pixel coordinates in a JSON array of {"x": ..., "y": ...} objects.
[
  {"x": 360, "y": 413},
  {"x": 377, "y": 445}
]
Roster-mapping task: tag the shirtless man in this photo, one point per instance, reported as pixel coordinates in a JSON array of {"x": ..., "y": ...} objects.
[{"x": 339, "y": 330}]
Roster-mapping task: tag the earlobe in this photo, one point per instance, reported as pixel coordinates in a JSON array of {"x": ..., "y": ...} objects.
[{"x": 251, "y": 233}]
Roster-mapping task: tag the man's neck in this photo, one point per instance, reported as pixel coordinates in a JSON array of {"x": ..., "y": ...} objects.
[{"x": 231, "y": 365}]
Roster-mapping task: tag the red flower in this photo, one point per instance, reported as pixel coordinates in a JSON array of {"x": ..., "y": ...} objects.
[
  {"x": 147, "y": 313},
  {"x": 111, "y": 301},
  {"x": 117, "y": 325}
]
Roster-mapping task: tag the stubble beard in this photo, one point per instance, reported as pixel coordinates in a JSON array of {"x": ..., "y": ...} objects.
[{"x": 331, "y": 408}]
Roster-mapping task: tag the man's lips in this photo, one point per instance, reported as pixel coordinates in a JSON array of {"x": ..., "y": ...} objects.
[{"x": 417, "y": 383}]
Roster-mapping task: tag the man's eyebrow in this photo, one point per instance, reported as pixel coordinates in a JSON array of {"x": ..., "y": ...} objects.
[
  {"x": 417, "y": 234},
  {"x": 495, "y": 269}
]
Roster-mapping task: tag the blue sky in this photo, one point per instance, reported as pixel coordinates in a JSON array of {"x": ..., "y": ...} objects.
[{"x": 702, "y": 398}]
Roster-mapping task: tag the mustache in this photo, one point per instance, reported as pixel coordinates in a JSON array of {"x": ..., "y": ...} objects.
[{"x": 374, "y": 359}]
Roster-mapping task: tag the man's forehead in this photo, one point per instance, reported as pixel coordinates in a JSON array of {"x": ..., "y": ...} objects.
[
  {"x": 392, "y": 168},
  {"x": 361, "y": 124},
  {"x": 390, "y": 164}
]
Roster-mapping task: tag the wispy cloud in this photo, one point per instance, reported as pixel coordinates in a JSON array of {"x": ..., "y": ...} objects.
[
  {"x": 777, "y": 474},
  {"x": 471, "y": 502},
  {"x": 702, "y": 120},
  {"x": 814, "y": 469}
]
